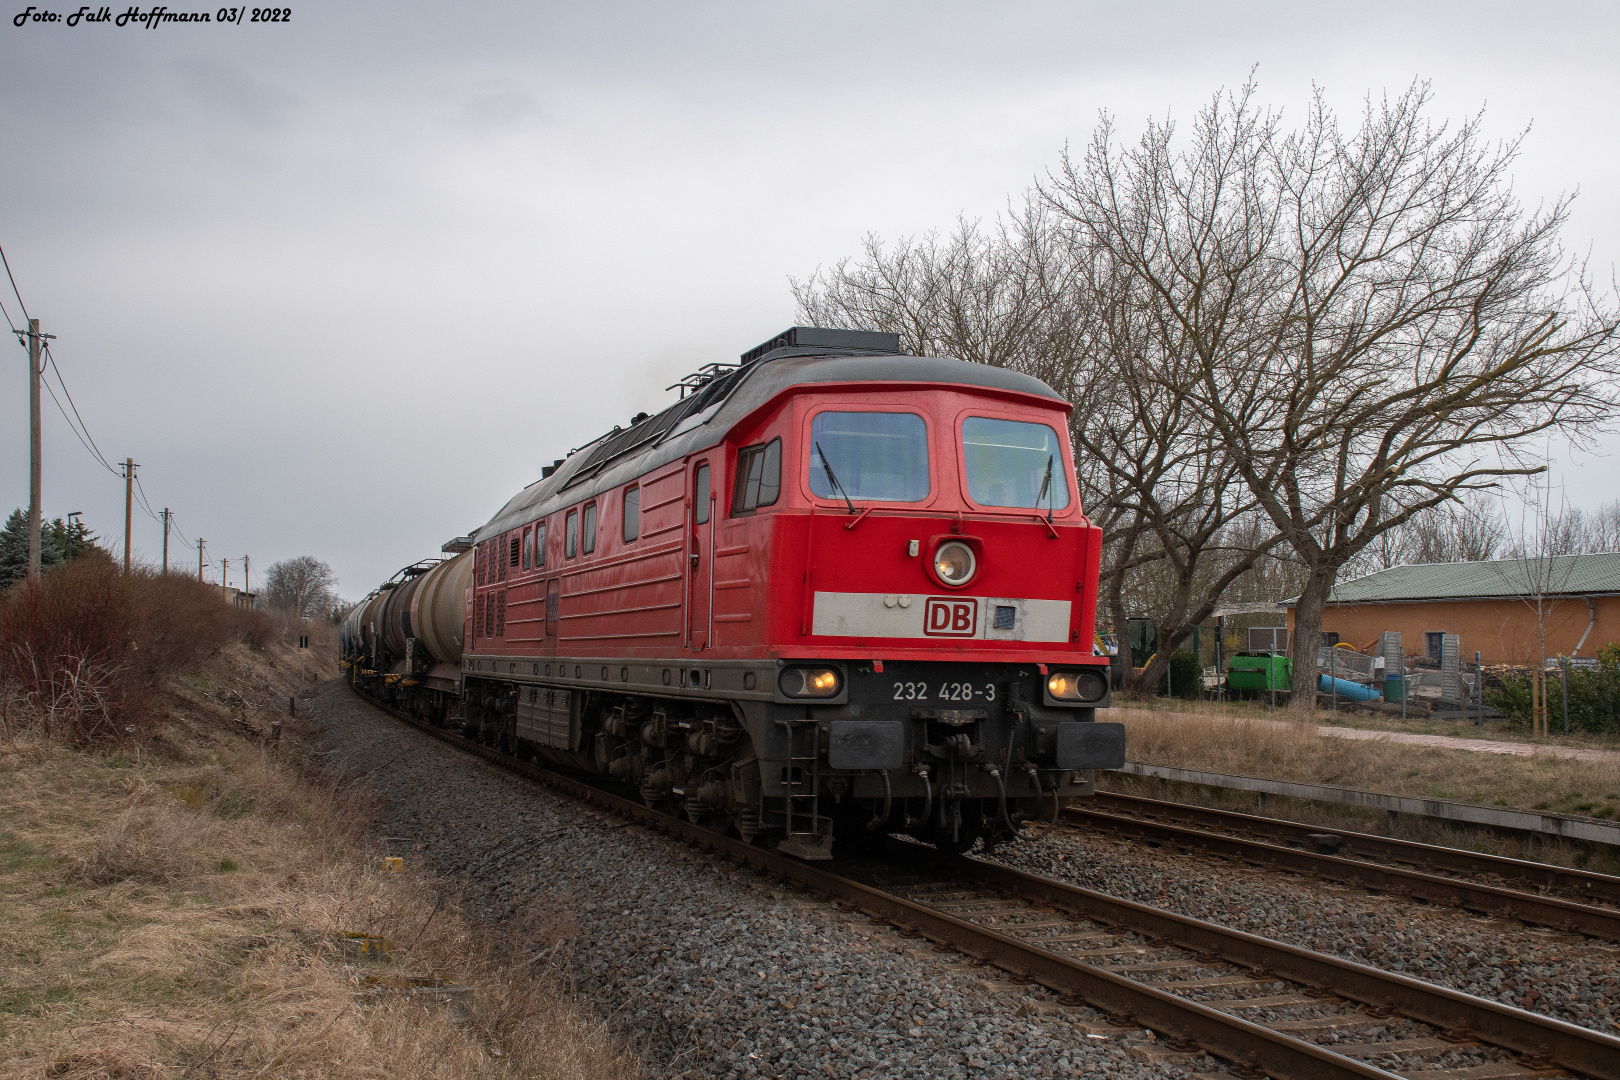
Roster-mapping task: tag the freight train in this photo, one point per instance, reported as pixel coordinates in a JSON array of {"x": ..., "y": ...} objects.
[{"x": 833, "y": 591}]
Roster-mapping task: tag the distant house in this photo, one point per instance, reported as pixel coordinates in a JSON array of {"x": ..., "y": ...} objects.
[
  {"x": 238, "y": 598},
  {"x": 1492, "y": 606}
]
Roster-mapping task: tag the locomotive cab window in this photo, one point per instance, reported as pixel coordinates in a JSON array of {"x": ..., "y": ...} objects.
[
  {"x": 700, "y": 495},
  {"x": 588, "y": 540},
  {"x": 571, "y": 535},
  {"x": 528, "y": 548},
  {"x": 759, "y": 477},
  {"x": 1014, "y": 463},
  {"x": 632, "y": 514},
  {"x": 869, "y": 456}
]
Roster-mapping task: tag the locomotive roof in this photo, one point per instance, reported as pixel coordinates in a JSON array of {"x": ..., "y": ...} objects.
[{"x": 702, "y": 419}]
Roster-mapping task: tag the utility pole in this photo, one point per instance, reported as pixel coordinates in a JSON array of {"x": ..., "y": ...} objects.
[
  {"x": 165, "y": 539},
  {"x": 33, "y": 450},
  {"x": 200, "y": 543},
  {"x": 247, "y": 585},
  {"x": 129, "y": 505},
  {"x": 225, "y": 578}
]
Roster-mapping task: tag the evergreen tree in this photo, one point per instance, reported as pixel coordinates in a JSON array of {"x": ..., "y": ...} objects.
[
  {"x": 14, "y": 549},
  {"x": 59, "y": 543}
]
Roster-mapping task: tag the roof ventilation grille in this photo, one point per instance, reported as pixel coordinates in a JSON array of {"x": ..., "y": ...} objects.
[{"x": 816, "y": 337}]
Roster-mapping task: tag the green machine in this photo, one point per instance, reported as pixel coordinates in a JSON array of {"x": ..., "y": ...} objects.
[{"x": 1250, "y": 674}]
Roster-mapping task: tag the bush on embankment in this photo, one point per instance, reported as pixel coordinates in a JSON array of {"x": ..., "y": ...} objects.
[{"x": 85, "y": 650}]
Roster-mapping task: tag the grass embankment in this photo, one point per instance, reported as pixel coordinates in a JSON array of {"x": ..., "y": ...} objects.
[
  {"x": 1296, "y": 752},
  {"x": 193, "y": 902}
]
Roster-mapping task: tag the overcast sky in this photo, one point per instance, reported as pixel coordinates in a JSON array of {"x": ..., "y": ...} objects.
[{"x": 341, "y": 286}]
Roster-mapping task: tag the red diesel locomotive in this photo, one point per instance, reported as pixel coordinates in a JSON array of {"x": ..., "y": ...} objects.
[{"x": 833, "y": 589}]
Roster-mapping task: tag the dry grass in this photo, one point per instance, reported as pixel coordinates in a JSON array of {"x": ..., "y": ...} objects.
[
  {"x": 189, "y": 916},
  {"x": 1294, "y": 751}
]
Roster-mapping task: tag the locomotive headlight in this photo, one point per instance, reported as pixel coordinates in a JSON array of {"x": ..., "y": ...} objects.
[
  {"x": 954, "y": 563},
  {"x": 809, "y": 682},
  {"x": 1076, "y": 686}
]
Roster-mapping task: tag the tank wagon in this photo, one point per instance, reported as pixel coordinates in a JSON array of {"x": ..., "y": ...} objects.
[{"x": 832, "y": 590}]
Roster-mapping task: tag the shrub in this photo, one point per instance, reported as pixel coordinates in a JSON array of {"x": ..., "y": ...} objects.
[
  {"x": 1594, "y": 697},
  {"x": 84, "y": 649},
  {"x": 1186, "y": 676}
]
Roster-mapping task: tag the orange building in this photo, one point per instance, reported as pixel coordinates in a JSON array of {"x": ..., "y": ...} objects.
[{"x": 1508, "y": 610}]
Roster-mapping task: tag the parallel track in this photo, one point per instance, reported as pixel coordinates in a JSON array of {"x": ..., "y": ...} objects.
[
  {"x": 1458, "y": 1020},
  {"x": 1365, "y": 861}
]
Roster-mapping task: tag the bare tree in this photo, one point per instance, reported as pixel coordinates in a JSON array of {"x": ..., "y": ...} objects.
[
  {"x": 302, "y": 585},
  {"x": 1380, "y": 326},
  {"x": 1154, "y": 473}
]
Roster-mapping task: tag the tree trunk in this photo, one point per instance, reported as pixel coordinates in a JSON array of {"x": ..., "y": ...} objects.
[{"x": 1307, "y": 639}]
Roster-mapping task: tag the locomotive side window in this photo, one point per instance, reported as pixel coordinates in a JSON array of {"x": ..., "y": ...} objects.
[
  {"x": 632, "y": 514},
  {"x": 571, "y": 535},
  {"x": 528, "y": 548},
  {"x": 759, "y": 476},
  {"x": 540, "y": 545},
  {"x": 588, "y": 540},
  {"x": 1014, "y": 463},
  {"x": 873, "y": 456},
  {"x": 700, "y": 495}
]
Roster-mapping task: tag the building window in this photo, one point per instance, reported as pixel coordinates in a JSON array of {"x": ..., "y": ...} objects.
[
  {"x": 571, "y": 536},
  {"x": 700, "y": 495},
  {"x": 528, "y": 548},
  {"x": 759, "y": 477},
  {"x": 632, "y": 514},
  {"x": 540, "y": 544},
  {"x": 588, "y": 540}
]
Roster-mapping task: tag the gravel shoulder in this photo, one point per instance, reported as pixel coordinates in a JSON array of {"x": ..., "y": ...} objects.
[
  {"x": 1561, "y": 975},
  {"x": 705, "y": 970}
]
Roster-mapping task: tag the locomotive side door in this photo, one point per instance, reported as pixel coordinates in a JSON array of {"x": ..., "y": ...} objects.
[{"x": 700, "y": 527}]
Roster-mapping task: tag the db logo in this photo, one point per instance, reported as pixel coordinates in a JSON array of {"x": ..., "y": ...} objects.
[{"x": 950, "y": 616}]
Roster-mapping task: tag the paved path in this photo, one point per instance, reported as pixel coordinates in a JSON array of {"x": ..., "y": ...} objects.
[{"x": 1444, "y": 742}]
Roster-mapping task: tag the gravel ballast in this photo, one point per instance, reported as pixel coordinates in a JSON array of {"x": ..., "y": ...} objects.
[
  {"x": 710, "y": 971},
  {"x": 1561, "y": 975}
]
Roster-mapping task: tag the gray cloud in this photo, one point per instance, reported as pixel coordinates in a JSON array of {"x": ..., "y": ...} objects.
[{"x": 342, "y": 285}]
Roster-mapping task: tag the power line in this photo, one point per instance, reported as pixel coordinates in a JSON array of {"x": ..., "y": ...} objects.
[
  {"x": 146, "y": 504},
  {"x": 76, "y": 434},
  {"x": 9, "y": 322},
  {"x": 14, "y": 291},
  {"x": 51, "y": 358}
]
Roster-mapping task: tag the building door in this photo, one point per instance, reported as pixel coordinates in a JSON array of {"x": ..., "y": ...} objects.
[{"x": 700, "y": 558}]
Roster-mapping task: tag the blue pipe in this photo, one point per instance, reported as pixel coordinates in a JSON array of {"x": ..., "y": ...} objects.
[{"x": 1352, "y": 691}]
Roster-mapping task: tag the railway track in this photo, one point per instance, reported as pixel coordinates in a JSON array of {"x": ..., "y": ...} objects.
[
  {"x": 1188, "y": 980},
  {"x": 1589, "y": 904}
]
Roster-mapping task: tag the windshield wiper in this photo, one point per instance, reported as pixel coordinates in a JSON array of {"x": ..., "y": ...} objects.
[
  {"x": 1046, "y": 485},
  {"x": 827, "y": 465}
]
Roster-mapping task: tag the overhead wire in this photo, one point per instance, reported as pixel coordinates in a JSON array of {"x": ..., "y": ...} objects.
[
  {"x": 81, "y": 430},
  {"x": 51, "y": 359},
  {"x": 14, "y": 291}
]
